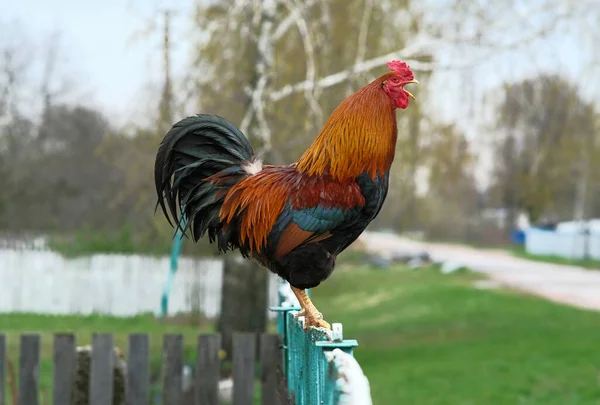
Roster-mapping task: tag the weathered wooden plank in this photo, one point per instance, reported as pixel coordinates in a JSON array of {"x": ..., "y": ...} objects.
[
  {"x": 2, "y": 370},
  {"x": 172, "y": 369},
  {"x": 29, "y": 369},
  {"x": 273, "y": 389},
  {"x": 208, "y": 370},
  {"x": 102, "y": 368},
  {"x": 138, "y": 370},
  {"x": 244, "y": 353},
  {"x": 64, "y": 368}
]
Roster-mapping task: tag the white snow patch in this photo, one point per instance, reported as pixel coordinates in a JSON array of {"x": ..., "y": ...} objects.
[{"x": 351, "y": 381}]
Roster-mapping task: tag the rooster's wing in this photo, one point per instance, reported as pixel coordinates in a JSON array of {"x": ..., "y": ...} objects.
[{"x": 317, "y": 207}]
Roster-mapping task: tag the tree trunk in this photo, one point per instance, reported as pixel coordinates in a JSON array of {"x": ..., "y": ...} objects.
[{"x": 243, "y": 298}]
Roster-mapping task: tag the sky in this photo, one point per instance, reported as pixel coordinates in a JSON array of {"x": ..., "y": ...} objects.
[
  {"x": 102, "y": 45},
  {"x": 115, "y": 65}
]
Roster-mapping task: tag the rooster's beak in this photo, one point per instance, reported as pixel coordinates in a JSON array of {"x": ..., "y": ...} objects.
[{"x": 408, "y": 93}]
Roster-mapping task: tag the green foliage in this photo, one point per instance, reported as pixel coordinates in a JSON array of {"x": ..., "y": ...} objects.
[
  {"x": 226, "y": 63},
  {"x": 451, "y": 203},
  {"x": 550, "y": 139},
  {"x": 585, "y": 263},
  {"x": 125, "y": 240},
  {"x": 53, "y": 178},
  {"x": 88, "y": 241},
  {"x": 97, "y": 177},
  {"x": 432, "y": 339}
]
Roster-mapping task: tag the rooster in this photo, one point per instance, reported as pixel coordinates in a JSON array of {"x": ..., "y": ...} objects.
[{"x": 292, "y": 219}]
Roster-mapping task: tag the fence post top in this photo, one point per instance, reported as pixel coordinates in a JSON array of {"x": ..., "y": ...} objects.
[{"x": 337, "y": 332}]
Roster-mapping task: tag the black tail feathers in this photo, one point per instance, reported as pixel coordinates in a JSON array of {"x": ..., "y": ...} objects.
[{"x": 194, "y": 149}]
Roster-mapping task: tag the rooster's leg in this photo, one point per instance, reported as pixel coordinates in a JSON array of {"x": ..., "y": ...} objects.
[{"x": 312, "y": 317}]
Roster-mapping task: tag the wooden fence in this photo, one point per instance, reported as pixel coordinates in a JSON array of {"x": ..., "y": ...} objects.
[
  {"x": 105, "y": 381},
  {"x": 316, "y": 367}
]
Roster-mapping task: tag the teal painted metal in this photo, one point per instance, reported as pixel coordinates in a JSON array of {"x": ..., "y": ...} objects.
[
  {"x": 312, "y": 376},
  {"x": 282, "y": 330},
  {"x": 308, "y": 372},
  {"x": 175, "y": 252}
]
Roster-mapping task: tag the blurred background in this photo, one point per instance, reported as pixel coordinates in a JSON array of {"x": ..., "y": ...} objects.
[
  {"x": 505, "y": 123},
  {"x": 500, "y": 150}
]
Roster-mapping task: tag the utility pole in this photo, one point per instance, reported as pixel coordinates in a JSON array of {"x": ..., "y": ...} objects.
[
  {"x": 165, "y": 120},
  {"x": 165, "y": 106}
]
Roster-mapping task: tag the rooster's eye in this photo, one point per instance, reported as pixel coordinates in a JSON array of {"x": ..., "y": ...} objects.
[{"x": 395, "y": 79}]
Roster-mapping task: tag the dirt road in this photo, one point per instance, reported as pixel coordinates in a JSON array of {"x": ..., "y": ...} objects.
[{"x": 567, "y": 284}]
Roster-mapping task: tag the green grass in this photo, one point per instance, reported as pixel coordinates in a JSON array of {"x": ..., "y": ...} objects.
[
  {"x": 431, "y": 339},
  {"x": 88, "y": 241},
  {"x": 585, "y": 263},
  {"x": 15, "y": 324}
]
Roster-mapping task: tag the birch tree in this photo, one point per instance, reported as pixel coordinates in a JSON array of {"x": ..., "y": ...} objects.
[{"x": 279, "y": 80}]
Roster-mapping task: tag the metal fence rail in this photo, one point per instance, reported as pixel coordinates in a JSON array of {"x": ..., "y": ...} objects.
[{"x": 319, "y": 365}]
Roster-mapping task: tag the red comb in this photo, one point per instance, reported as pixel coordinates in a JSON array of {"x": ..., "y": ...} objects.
[{"x": 402, "y": 68}]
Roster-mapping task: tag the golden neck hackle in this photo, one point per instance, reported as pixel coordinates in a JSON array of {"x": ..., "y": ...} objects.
[{"x": 360, "y": 135}]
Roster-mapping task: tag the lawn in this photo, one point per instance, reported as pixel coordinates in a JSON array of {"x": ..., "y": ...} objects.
[
  {"x": 425, "y": 339},
  {"x": 591, "y": 264},
  {"x": 432, "y": 339},
  {"x": 14, "y": 324}
]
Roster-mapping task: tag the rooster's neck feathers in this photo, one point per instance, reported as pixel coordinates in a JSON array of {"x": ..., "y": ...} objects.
[{"x": 359, "y": 136}]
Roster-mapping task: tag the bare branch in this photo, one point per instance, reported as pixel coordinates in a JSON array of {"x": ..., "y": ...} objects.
[
  {"x": 323, "y": 35},
  {"x": 258, "y": 106},
  {"x": 307, "y": 41},
  {"x": 424, "y": 46},
  {"x": 258, "y": 12},
  {"x": 363, "y": 66},
  {"x": 287, "y": 23},
  {"x": 50, "y": 62},
  {"x": 245, "y": 124},
  {"x": 15, "y": 62},
  {"x": 361, "y": 47},
  {"x": 363, "y": 33},
  {"x": 266, "y": 10}
]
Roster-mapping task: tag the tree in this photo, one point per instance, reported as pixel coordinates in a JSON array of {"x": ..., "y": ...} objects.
[
  {"x": 549, "y": 140},
  {"x": 452, "y": 200},
  {"x": 245, "y": 58},
  {"x": 59, "y": 160},
  {"x": 16, "y": 145},
  {"x": 277, "y": 68}
]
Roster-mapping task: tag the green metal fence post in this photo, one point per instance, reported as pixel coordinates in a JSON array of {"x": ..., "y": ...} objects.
[
  {"x": 175, "y": 252},
  {"x": 312, "y": 359}
]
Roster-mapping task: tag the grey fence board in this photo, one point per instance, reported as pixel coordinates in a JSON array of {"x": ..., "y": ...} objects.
[
  {"x": 29, "y": 369},
  {"x": 101, "y": 370},
  {"x": 65, "y": 365},
  {"x": 2, "y": 369},
  {"x": 273, "y": 390},
  {"x": 100, "y": 381},
  {"x": 138, "y": 370},
  {"x": 244, "y": 353},
  {"x": 172, "y": 369},
  {"x": 208, "y": 370}
]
